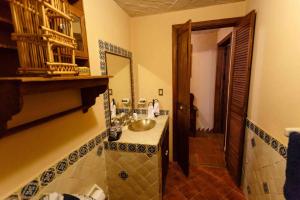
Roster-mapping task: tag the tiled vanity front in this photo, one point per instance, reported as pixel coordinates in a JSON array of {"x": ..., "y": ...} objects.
[{"x": 134, "y": 163}]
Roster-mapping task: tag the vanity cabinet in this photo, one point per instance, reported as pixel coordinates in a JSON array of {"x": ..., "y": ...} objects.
[
  {"x": 165, "y": 156},
  {"x": 137, "y": 164}
]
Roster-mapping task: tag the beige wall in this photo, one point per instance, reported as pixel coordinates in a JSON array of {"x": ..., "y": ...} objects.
[
  {"x": 275, "y": 92},
  {"x": 26, "y": 154},
  {"x": 204, "y": 62},
  {"x": 151, "y": 44},
  {"x": 107, "y": 21}
]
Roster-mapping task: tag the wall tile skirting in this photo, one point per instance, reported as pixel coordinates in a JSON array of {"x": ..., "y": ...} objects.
[
  {"x": 269, "y": 140},
  {"x": 264, "y": 165},
  {"x": 30, "y": 190}
]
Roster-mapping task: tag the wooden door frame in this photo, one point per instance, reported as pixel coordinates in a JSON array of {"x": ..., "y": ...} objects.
[
  {"x": 219, "y": 86},
  {"x": 196, "y": 26}
]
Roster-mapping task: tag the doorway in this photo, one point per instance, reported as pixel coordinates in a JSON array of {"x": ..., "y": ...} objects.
[
  {"x": 222, "y": 84},
  {"x": 239, "y": 78},
  {"x": 209, "y": 87}
]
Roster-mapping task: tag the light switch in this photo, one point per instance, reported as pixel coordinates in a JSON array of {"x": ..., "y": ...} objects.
[{"x": 160, "y": 92}]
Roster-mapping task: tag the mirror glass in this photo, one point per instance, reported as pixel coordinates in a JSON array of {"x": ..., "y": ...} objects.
[
  {"x": 120, "y": 85},
  {"x": 77, "y": 32}
]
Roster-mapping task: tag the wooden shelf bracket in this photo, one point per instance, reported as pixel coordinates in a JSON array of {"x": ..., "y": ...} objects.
[{"x": 12, "y": 90}]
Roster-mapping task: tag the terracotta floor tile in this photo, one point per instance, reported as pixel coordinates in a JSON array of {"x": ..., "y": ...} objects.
[
  {"x": 208, "y": 180},
  {"x": 188, "y": 190},
  {"x": 175, "y": 195}
]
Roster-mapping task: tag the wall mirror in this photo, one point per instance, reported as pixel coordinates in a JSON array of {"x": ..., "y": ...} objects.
[
  {"x": 120, "y": 86},
  {"x": 79, "y": 32}
]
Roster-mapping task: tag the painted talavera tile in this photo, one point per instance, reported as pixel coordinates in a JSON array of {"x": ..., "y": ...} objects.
[
  {"x": 133, "y": 175},
  {"x": 264, "y": 166}
]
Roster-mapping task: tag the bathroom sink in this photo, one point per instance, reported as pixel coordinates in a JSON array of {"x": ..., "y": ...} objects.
[{"x": 142, "y": 125}]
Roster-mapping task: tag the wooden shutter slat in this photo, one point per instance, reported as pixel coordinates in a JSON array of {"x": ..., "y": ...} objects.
[{"x": 239, "y": 91}]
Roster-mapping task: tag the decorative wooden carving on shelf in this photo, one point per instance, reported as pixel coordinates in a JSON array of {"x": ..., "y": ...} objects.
[{"x": 12, "y": 90}]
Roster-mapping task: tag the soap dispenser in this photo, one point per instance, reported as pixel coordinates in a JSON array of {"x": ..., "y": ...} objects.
[{"x": 156, "y": 107}]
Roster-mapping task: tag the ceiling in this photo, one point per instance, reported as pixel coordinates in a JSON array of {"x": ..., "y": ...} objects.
[{"x": 148, "y": 7}]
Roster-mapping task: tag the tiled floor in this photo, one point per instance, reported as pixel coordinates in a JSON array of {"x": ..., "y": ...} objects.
[
  {"x": 207, "y": 149},
  {"x": 208, "y": 180}
]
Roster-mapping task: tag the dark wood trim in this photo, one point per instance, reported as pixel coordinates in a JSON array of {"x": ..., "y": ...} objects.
[
  {"x": 174, "y": 80},
  {"x": 213, "y": 24},
  {"x": 196, "y": 26},
  {"x": 12, "y": 90},
  {"x": 225, "y": 40},
  {"x": 39, "y": 121},
  {"x": 220, "y": 85}
]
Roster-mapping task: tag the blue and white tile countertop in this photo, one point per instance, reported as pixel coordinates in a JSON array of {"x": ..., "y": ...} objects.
[{"x": 142, "y": 141}]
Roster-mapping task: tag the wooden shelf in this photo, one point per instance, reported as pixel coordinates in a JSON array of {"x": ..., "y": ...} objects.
[
  {"x": 4, "y": 46},
  {"x": 5, "y": 21},
  {"x": 12, "y": 90}
]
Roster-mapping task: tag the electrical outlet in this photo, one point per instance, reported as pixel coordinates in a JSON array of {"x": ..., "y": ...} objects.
[{"x": 288, "y": 131}]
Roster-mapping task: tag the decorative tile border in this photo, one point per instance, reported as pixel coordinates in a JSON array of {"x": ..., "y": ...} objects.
[
  {"x": 32, "y": 188},
  {"x": 111, "y": 48},
  {"x": 269, "y": 140},
  {"x": 131, "y": 148}
]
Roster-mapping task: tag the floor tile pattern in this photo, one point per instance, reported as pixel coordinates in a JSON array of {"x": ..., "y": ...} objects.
[
  {"x": 204, "y": 183},
  {"x": 208, "y": 179},
  {"x": 207, "y": 149}
]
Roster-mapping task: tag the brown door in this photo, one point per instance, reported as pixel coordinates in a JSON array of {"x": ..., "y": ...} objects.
[
  {"x": 182, "y": 105},
  {"x": 222, "y": 80},
  {"x": 243, "y": 35}
]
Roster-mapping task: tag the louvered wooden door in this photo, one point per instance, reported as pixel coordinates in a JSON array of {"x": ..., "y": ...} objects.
[{"x": 243, "y": 36}]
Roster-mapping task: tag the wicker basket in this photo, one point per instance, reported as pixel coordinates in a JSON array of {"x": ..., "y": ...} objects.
[{"x": 44, "y": 36}]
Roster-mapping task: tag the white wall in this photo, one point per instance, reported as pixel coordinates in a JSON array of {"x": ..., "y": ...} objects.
[
  {"x": 203, "y": 79},
  {"x": 223, "y": 32}
]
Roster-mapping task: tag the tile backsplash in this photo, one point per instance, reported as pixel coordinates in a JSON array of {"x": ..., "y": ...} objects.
[{"x": 264, "y": 165}]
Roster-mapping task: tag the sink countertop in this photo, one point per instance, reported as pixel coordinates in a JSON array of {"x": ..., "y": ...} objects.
[{"x": 150, "y": 137}]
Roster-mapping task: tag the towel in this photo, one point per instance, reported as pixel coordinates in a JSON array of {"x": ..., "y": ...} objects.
[
  {"x": 150, "y": 111},
  {"x": 292, "y": 182}
]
